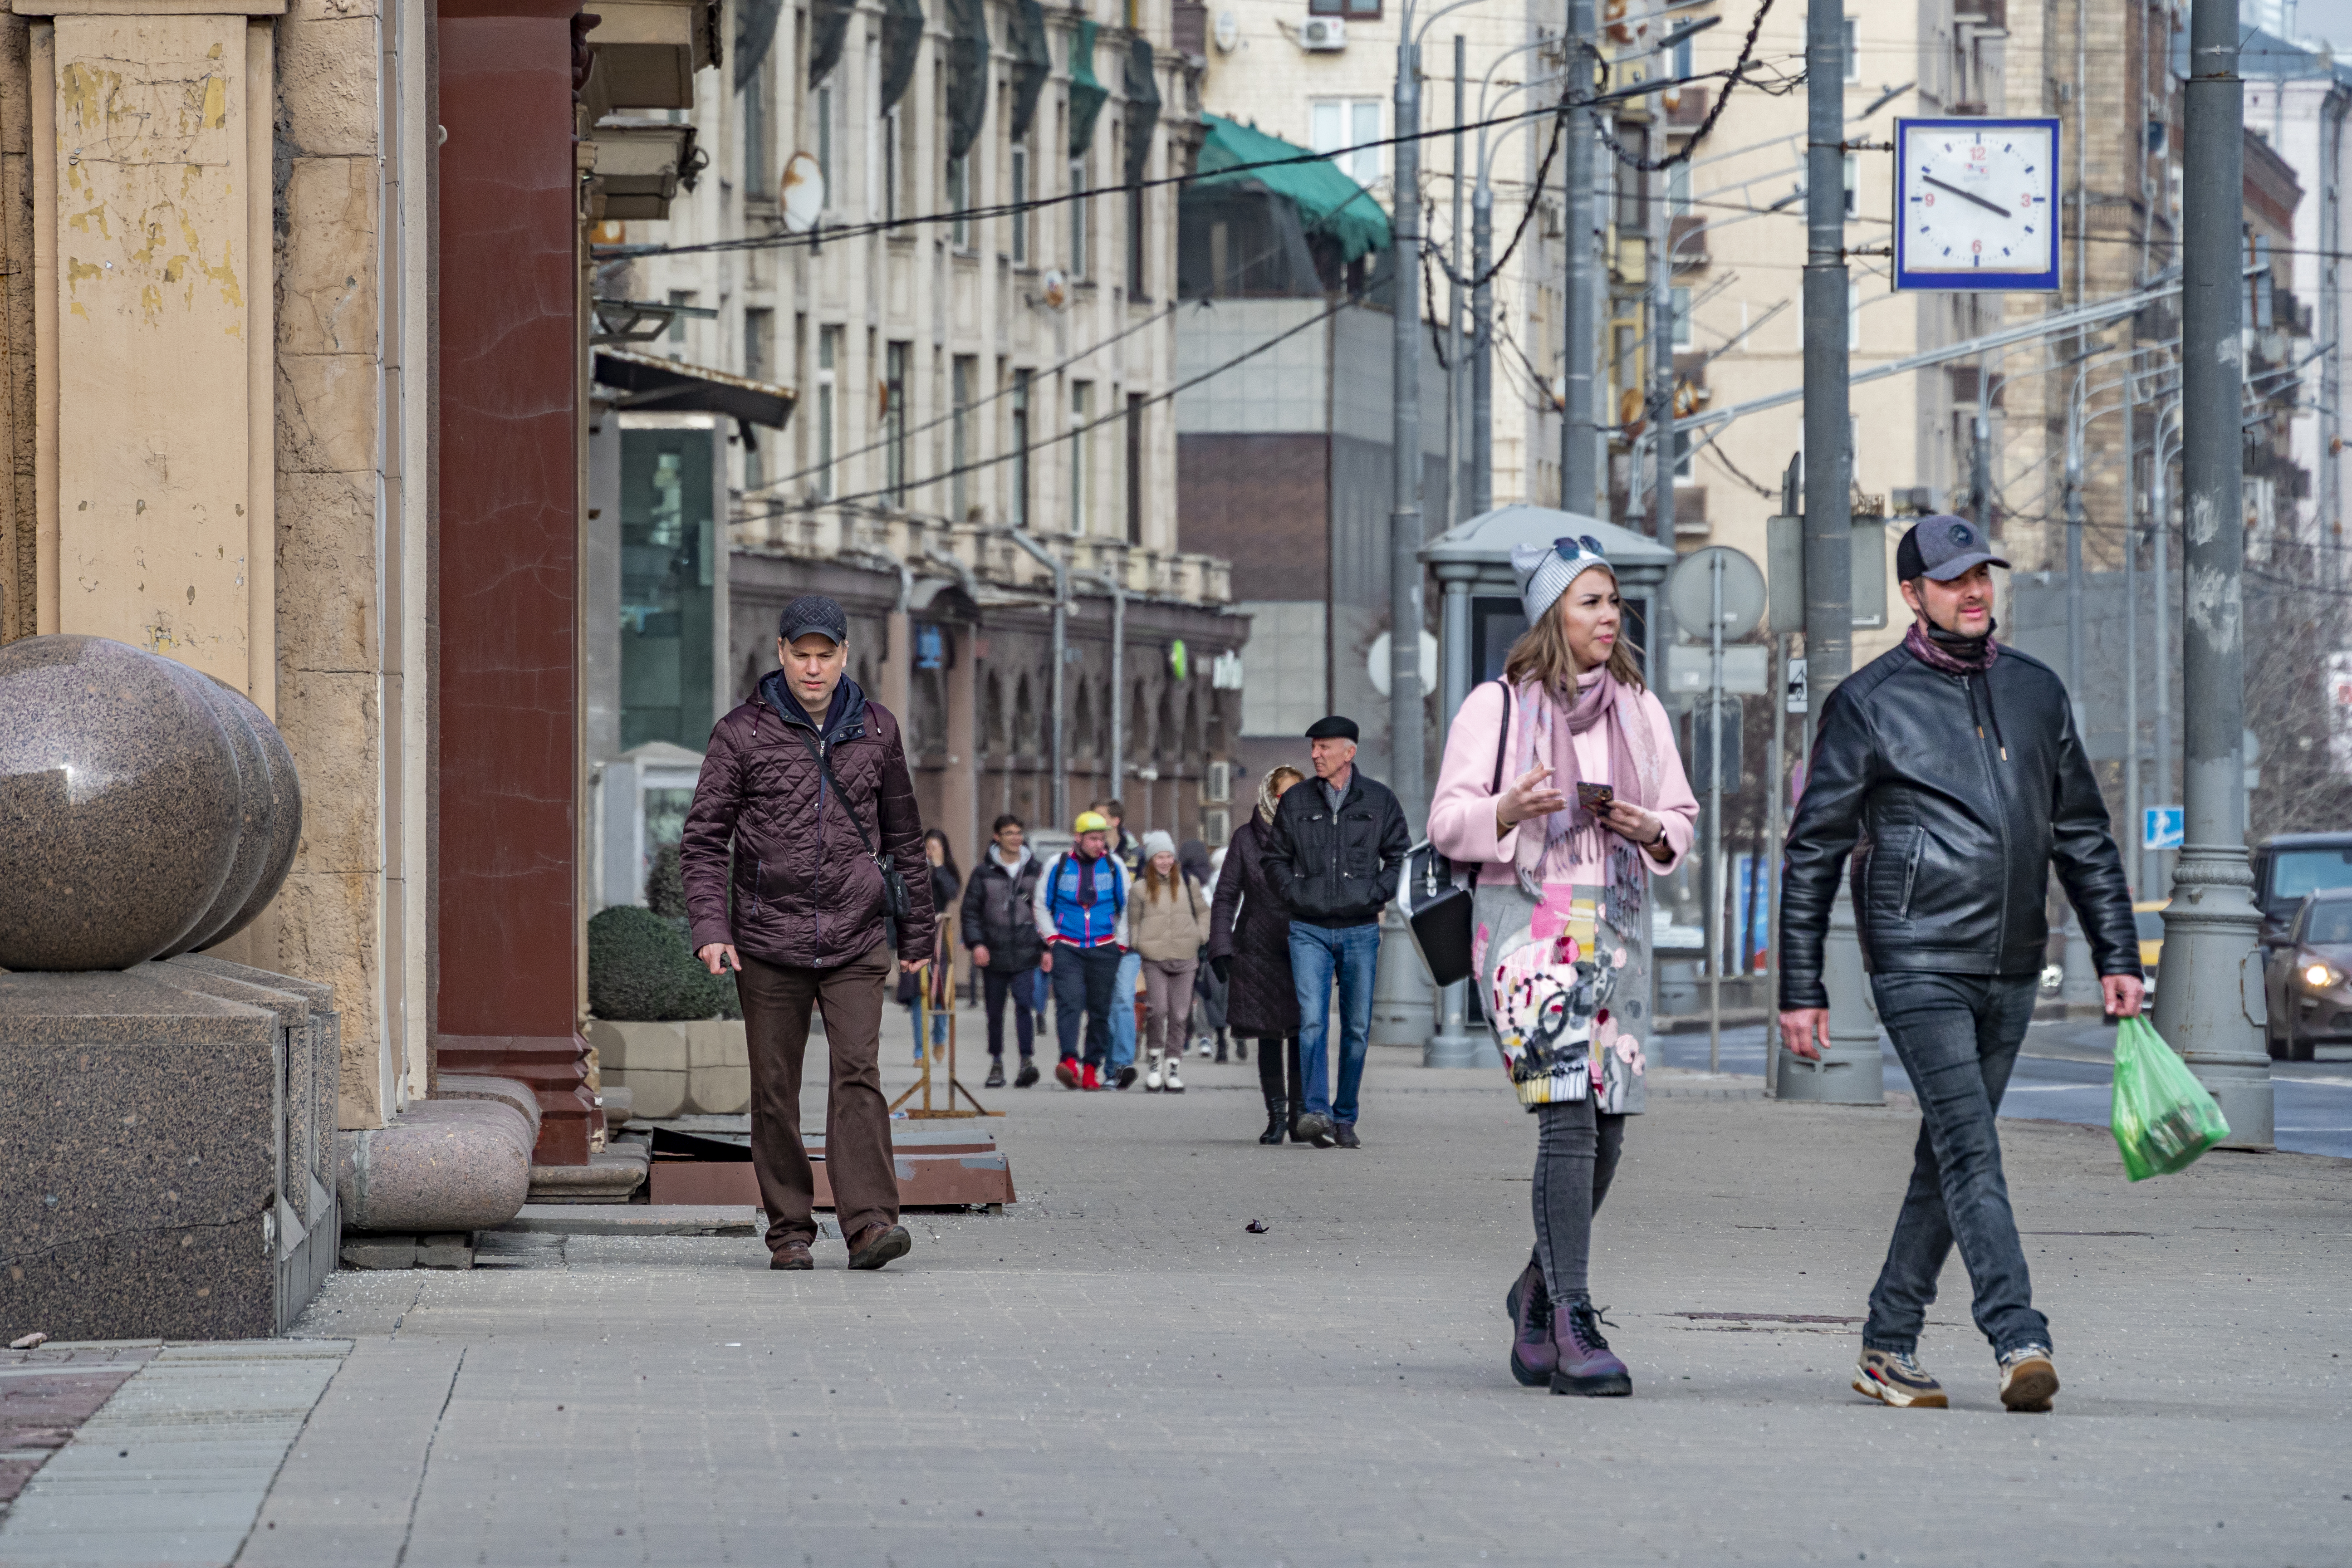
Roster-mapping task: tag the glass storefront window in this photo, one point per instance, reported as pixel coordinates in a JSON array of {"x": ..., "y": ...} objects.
[{"x": 667, "y": 555}]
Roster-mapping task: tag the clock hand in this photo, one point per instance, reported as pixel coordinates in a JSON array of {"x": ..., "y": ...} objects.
[{"x": 1966, "y": 195}]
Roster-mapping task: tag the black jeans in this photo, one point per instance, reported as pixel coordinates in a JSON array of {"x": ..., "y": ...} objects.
[
  {"x": 1083, "y": 979},
  {"x": 995, "y": 988},
  {"x": 1273, "y": 1052},
  {"x": 1576, "y": 1160},
  {"x": 1958, "y": 1036}
]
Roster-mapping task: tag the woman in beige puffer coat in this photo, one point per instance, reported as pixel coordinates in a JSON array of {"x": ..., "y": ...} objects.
[{"x": 1168, "y": 920}]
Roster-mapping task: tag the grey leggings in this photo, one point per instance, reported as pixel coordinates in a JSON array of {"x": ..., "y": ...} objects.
[{"x": 1576, "y": 1159}]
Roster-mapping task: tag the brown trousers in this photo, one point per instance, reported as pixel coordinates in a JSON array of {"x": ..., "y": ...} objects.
[{"x": 858, "y": 1160}]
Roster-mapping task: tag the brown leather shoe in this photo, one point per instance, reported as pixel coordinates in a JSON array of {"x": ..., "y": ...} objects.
[
  {"x": 877, "y": 1244},
  {"x": 793, "y": 1254}
]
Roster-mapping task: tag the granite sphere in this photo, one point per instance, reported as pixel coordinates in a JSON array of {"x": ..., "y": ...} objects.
[
  {"x": 120, "y": 803},
  {"x": 269, "y": 819},
  {"x": 280, "y": 831}
]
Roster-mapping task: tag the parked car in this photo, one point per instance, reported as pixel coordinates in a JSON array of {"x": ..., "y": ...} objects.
[
  {"x": 2289, "y": 866},
  {"x": 2307, "y": 979}
]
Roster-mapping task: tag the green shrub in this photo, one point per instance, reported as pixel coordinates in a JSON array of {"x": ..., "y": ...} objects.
[
  {"x": 641, "y": 970},
  {"x": 665, "y": 884}
]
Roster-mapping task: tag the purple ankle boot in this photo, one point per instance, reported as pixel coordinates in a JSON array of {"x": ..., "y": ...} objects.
[
  {"x": 1582, "y": 1361},
  {"x": 1533, "y": 1359}
]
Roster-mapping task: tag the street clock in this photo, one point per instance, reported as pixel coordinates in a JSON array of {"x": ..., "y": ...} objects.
[{"x": 1976, "y": 204}]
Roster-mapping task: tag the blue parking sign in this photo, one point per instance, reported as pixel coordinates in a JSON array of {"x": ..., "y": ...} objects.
[{"x": 2162, "y": 828}]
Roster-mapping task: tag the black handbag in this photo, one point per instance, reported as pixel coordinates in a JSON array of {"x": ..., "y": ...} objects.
[
  {"x": 1436, "y": 906},
  {"x": 897, "y": 905}
]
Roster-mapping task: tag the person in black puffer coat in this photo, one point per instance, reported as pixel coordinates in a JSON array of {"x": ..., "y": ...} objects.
[
  {"x": 1249, "y": 949},
  {"x": 999, "y": 927}
]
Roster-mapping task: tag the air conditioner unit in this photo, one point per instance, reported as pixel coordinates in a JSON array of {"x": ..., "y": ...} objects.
[
  {"x": 1216, "y": 825},
  {"x": 1219, "y": 785},
  {"x": 1323, "y": 32}
]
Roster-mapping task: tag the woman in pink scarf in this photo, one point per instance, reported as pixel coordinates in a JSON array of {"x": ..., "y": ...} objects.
[{"x": 1562, "y": 785}]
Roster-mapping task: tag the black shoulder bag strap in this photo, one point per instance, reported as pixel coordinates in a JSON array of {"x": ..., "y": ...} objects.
[
  {"x": 1502, "y": 737},
  {"x": 896, "y": 903}
]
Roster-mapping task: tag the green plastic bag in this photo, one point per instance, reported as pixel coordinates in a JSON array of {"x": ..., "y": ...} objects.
[{"x": 2163, "y": 1118}]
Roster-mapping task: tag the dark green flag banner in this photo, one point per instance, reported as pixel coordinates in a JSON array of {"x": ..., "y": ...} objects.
[
  {"x": 902, "y": 46},
  {"x": 1033, "y": 64},
  {"x": 967, "y": 73},
  {"x": 1087, "y": 94},
  {"x": 828, "y": 30},
  {"x": 1142, "y": 107}
]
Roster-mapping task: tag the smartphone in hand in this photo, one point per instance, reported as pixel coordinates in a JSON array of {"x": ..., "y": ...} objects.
[{"x": 1595, "y": 798}]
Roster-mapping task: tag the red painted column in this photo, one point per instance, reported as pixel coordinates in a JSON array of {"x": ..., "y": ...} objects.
[{"x": 507, "y": 300}]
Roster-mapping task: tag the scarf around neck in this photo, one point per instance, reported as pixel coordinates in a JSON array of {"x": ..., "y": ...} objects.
[
  {"x": 1940, "y": 649},
  {"x": 1548, "y": 732}
]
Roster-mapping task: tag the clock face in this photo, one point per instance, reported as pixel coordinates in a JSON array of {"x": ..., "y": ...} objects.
[{"x": 1977, "y": 204}]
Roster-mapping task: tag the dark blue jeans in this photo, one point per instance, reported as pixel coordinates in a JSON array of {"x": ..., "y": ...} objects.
[
  {"x": 1083, "y": 980},
  {"x": 1958, "y": 1036},
  {"x": 1317, "y": 955}
]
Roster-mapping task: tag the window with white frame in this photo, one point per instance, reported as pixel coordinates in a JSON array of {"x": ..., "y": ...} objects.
[
  {"x": 1023, "y": 221},
  {"x": 1079, "y": 186},
  {"x": 1852, "y": 52},
  {"x": 1334, "y": 123},
  {"x": 828, "y": 124},
  {"x": 963, "y": 390},
  {"x": 828, "y": 405},
  {"x": 1682, "y": 323},
  {"x": 1082, "y": 440}
]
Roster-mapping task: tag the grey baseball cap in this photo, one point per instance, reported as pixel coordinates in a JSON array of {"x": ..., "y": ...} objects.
[
  {"x": 812, "y": 612},
  {"x": 1942, "y": 547}
]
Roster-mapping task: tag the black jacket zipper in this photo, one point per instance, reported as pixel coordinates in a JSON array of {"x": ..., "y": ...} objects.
[{"x": 1999, "y": 812}]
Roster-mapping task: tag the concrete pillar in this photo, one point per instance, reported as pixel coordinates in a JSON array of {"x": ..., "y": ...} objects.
[
  {"x": 959, "y": 791},
  {"x": 509, "y": 571}
]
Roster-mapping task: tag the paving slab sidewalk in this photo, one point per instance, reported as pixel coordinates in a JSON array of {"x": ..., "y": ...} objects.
[{"x": 1118, "y": 1371}]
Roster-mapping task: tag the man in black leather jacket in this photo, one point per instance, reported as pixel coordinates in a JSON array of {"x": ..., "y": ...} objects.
[
  {"x": 1337, "y": 846},
  {"x": 1949, "y": 768}
]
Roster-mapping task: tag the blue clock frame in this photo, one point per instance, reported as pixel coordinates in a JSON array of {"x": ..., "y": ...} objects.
[{"x": 2045, "y": 281}]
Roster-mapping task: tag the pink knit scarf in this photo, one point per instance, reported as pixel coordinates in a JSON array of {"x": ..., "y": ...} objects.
[{"x": 1547, "y": 733}]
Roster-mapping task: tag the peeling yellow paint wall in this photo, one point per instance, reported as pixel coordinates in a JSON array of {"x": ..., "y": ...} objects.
[{"x": 154, "y": 311}]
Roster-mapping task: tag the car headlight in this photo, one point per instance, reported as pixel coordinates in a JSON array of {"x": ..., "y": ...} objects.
[{"x": 2320, "y": 976}]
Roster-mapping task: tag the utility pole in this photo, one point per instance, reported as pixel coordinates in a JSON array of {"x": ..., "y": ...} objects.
[
  {"x": 2212, "y": 979},
  {"x": 1482, "y": 344},
  {"x": 1579, "y": 430},
  {"x": 1454, "y": 377},
  {"x": 1849, "y": 1070},
  {"x": 1405, "y": 744},
  {"x": 1662, "y": 335}
]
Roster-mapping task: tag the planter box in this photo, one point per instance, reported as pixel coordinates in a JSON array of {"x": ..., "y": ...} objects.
[{"x": 676, "y": 1069}]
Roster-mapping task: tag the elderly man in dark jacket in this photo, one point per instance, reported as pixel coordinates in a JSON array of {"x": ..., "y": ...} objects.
[
  {"x": 1339, "y": 845},
  {"x": 806, "y": 787},
  {"x": 1949, "y": 769}
]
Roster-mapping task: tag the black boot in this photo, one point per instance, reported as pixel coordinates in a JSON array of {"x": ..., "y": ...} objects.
[
  {"x": 1241, "y": 1048},
  {"x": 1220, "y": 1046},
  {"x": 1277, "y": 1123}
]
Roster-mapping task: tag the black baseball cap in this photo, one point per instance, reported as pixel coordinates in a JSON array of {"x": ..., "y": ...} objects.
[
  {"x": 1942, "y": 547},
  {"x": 812, "y": 612}
]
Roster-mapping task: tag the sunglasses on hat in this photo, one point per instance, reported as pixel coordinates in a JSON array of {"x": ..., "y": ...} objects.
[{"x": 1574, "y": 548}]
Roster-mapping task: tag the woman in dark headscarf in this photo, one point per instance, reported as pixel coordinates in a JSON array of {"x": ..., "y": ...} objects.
[
  {"x": 1208, "y": 991},
  {"x": 1249, "y": 947}
]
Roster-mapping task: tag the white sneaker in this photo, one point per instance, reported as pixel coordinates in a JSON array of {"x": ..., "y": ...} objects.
[
  {"x": 1168, "y": 1081},
  {"x": 1152, "y": 1079}
]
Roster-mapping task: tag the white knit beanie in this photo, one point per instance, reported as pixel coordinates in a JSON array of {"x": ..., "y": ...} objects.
[
  {"x": 1545, "y": 571},
  {"x": 1155, "y": 842}
]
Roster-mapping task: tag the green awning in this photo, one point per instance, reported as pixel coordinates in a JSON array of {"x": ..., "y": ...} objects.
[{"x": 1328, "y": 202}]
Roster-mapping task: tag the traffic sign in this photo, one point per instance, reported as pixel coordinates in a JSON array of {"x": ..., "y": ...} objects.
[{"x": 2162, "y": 828}]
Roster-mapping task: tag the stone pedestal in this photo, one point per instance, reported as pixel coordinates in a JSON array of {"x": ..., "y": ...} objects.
[{"x": 169, "y": 1132}]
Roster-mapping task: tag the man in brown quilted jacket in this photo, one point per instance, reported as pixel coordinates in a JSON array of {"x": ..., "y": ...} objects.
[{"x": 804, "y": 795}]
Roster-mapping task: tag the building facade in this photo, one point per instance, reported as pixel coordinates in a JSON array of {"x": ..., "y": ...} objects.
[{"x": 980, "y": 357}]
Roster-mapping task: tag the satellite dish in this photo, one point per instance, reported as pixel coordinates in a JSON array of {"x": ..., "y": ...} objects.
[
  {"x": 802, "y": 194},
  {"x": 1055, "y": 290},
  {"x": 1690, "y": 589},
  {"x": 1228, "y": 32}
]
